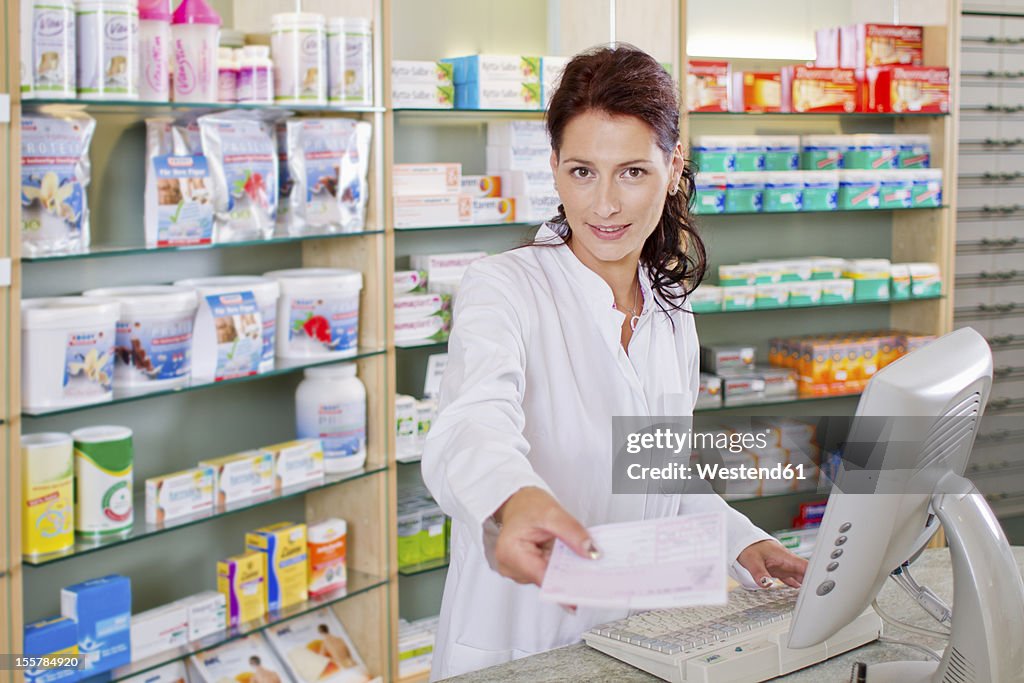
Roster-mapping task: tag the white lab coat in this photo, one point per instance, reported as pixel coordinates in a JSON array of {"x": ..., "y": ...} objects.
[{"x": 535, "y": 372}]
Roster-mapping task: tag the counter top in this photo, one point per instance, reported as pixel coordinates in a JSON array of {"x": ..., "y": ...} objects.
[{"x": 581, "y": 663}]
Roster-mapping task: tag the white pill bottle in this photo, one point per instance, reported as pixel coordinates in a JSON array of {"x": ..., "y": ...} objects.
[{"x": 330, "y": 405}]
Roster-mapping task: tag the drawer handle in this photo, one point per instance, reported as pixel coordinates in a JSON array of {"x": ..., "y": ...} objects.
[
  {"x": 1004, "y": 177},
  {"x": 998, "y": 275},
  {"x": 1002, "y": 371},
  {"x": 994, "y": 40},
  {"x": 1001, "y": 340},
  {"x": 1008, "y": 242},
  {"x": 999, "y": 403},
  {"x": 994, "y": 142},
  {"x": 1001, "y": 209},
  {"x": 998, "y": 435},
  {"x": 1013, "y": 75},
  {"x": 996, "y": 308},
  {"x": 1004, "y": 109}
]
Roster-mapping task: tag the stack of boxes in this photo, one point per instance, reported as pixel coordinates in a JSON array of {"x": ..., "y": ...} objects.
[
  {"x": 421, "y": 85},
  {"x": 439, "y": 195},
  {"x": 416, "y": 646},
  {"x": 840, "y": 364},
  {"x": 423, "y": 528},
  {"x": 759, "y": 173},
  {"x": 730, "y": 377},
  {"x": 858, "y": 68},
  {"x": 424, "y": 295},
  {"x": 497, "y": 81},
  {"x": 814, "y": 281},
  {"x": 413, "y": 419},
  {"x": 520, "y": 153}
]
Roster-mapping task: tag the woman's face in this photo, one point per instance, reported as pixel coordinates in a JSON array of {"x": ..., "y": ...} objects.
[{"x": 612, "y": 179}]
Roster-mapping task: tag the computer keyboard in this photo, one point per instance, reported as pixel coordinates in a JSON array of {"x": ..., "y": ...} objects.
[{"x": 741, "y": 641}]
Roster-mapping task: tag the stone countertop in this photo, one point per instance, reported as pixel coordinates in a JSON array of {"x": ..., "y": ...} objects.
[{"x": 581, "y": 663}]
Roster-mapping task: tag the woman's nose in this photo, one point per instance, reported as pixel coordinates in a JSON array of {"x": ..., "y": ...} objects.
[{"x": 606, "y": 202}]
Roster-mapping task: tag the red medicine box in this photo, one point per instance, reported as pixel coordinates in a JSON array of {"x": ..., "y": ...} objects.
[
  {"x": 811, "y": 89},
  {"x": 866, "y": 45},
  {"x": 909, "y": 89},
  {"x": 707, "y": 85}
]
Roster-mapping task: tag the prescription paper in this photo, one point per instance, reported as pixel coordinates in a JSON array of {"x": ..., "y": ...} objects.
[{"x": 667, "y": 562}]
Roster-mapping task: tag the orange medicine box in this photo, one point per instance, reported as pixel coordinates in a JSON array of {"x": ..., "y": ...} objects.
[
  {"x": 866, "y": 45},
  {"x": 707, "y": 85},
  {"x": 328, "y": 547},
  {"x": 810, "y": 89},
  {"x": 915, "y": 89},
  {"x": 757, "y": 91}
]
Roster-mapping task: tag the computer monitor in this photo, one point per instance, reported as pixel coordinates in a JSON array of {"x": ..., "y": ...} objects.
[{"x": 902, "y": 473}]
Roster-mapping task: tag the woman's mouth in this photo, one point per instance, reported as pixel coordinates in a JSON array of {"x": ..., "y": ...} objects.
[{"x": 608, "y": 232}]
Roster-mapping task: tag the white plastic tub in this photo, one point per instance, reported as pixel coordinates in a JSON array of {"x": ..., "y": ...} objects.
[
  {"x": 213, "y": 307},
  {"x": 67, "y": 352},
  {"x": 154, "y": 335},
  {"x": 318, "y": 312}
]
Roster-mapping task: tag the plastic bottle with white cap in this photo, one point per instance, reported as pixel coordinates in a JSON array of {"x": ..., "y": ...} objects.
[
  {"x": 154, "y": 50},
  {"x": 330, "y": 405}
]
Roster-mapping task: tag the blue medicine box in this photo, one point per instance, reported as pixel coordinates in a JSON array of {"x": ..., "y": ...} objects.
[
  {"x": 102, "y": 610},
  {"x": 54, "y": 637}
]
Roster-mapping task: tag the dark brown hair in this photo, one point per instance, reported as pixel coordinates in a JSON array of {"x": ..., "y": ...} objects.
[{"x": 626, "y": 81}]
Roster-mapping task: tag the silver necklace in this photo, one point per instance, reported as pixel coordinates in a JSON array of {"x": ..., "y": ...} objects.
[{"x": 634, "y": 319}]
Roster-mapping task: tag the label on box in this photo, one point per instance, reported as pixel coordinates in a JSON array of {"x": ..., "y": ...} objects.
[
  {"x": 762, "y": 91},
  {"x": 426, "y": 179},
  {"x": 886, "y": 44},
  {"x": 297, "y": 463},
  {"x": 478, "y": 186},
  {"x": 824, "y": 90},
  {"x": 913, "y": 89},
  {"x": 433, "y": 211},
  {"x": 179, "y": 495},
  {"x": 184, "y": 206},
  {"x": 707, "y": 85},
  {"x": 494, "y": 210},
  {"x": 242, "y": 476}
]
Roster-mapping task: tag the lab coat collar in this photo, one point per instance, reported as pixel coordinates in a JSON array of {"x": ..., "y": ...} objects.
[{"x": 595, "y": 290}]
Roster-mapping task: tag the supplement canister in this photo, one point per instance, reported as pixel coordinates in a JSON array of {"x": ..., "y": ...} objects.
[
  {"x": 154, "y": 335},
  {"x": 318, "y": 312},
  {"x": 67, "y": 352},
  {"x": 50, "y": 48},
  {"x": 103, "y": 480},
  {"x": 48, "y": 471},
  {"x": 108, "y": 49},
  {"x": 330, "y": 405},
  {"x": 298, "y": 45},
  {"x": 349, "y": 61}
]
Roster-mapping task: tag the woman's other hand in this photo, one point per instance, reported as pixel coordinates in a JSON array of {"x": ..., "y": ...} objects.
[
  {"x": 767, "y": 559},
  {"x": 531, "y": 519}
]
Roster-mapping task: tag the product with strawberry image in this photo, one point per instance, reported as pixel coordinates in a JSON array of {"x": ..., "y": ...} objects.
[{"x": 318, "y": 312}]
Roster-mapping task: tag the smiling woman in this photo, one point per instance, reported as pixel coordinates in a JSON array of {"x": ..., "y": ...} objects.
[{"x": 553, "y": 340}]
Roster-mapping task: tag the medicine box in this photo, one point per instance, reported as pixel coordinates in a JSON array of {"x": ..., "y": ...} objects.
[
  {"x": 927, "y": 189},
  {"x": 709, "y": 393},
  {"x": 909, "y": 89},
  {"x": 283, "y": 546},
  {"x": 739, "y": 298},
  {"x": 744, "y": 192},
  {"x": 102, "y": 610},
  {"x": 773, "y": 295},
  {"x": 750, "y": 153},
  {"x": 821, "y": 190},
  {"x": 742, "y": 388},
  {"x": 235, "y": 662},
  {"x": 819, "y": 90},
  {"x": 838, "y": 291},
  {"x": 426, "y": 179},
  {"x": 714, "y": 153},
  {"x": 868, "y": 45},
  {"x": 924, "y": 280},
  {"x": 826, "y": 47},
  {"x": 327, "y": 562},
  {"x": 502, "y": 158},
  {"x": 158, "y": 630},
  {"x": 433, "y": 540},
  {"x": 181, "y": 494},
  {"x": 804, "y": 293},
  {"x": 422, "y": 96},
  {"x": 707, "y": 85},
  {"x": 535, "y": 207},
  {"x": 783, "y": 192},
  {"x": 410, "y": 282},
  {"x": 484, "y": 68},
  {"x": 242, "y": 476},
  {"x": 714, "y": 359},
  {"x": 206, "y": 613},
  {"x": 297, "y": 463},
  {"x": 493, "y": 210},
  {"x": 870, "y": 278},
  {"x": 421, "y": 71},
  {"x": 445, "y": 266},
  {"x": 428, "y": 211},
  {"x": 706, "y": 299},
  {"x": 896, "y": 191},
  {"x": 55, "y": 637},
  {"x": 859, "y": 190},
  {"x": 782, "y": 152},
  {"x": 536, "y": 182},
  {"x": 479, "y": 186},
  {"x": 498, "y": 95},
  {"x": 710, "y": 193},
  {"x": 417, "y": 306},
  {"x": 241, "y": 579},
  {"x": 410, "y": 524},
  {"x": 517, "y": 132},
  {"x": 735, "y": 275},
  {"x": 551, "y": 73},
  {"x": 316, "y": 649},
  {"x": 827, "y": 268},
  {"x": 757, "y": 91}
]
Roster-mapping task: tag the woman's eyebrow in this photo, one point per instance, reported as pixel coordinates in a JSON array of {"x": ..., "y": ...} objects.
[{"x": 634, "y": 162}]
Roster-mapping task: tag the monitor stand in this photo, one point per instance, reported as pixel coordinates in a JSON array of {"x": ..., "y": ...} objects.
[{"x": 987, "y": 635}]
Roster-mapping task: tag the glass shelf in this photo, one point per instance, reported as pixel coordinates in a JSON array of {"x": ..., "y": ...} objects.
[
  {"x": 782, "y": 402},
  {"x": 141, "y": 530},
  {"x": 819, "y": 306},
  {"x": 471, "y": 226},
  {"x": 134, "y": 250},
  {"x": 845, "y": 115},
  {"x": 423, "y": 344},
  {"x": 128, "y": 106},
  {"x": 798, "y": 213},
  {"x": 467, "y": 113},
  {"x": 358, "y": 583},
  {"x": 283, "y": 367},
  {"x": 410, "y": 459},
  {"x": 424, "y": 567}
]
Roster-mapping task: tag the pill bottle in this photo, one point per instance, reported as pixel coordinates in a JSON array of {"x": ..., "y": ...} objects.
[
  {"x": 255, "y": 75},
  {"x": 227, "y": 75},
  {"x": 330, "y": 405}
]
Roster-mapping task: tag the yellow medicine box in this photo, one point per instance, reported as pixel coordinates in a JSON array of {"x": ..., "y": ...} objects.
[
  {"x": 242, "y": 580},
  {"x": 284, "y": 547}
]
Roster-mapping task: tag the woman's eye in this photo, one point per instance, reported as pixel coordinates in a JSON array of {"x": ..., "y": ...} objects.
[
  {"x": 635, "y": 172},
  {"x": 580, "y": 172}
]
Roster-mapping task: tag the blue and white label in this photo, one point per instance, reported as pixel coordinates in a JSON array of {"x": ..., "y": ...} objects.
[
  {"x": 240, "y": 334},
  {"x": 184, "y": 201},
  {"x": 341, "y": 427},
  {"x": 88, "y": 364},
  {"x": 150, "y": 350},
  {"x": 316, "y": 325}
]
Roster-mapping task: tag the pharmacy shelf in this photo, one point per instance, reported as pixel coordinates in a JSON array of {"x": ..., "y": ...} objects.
[
  {"x": 283, "y": 367},
  {"x": 427, "y": 344},
  {"x": 141, "y": 530},
  {"x": 842, "y": 115},
  {"x": 798, "y": 213},
  {"x": 780, "y": 403},
  {"x": 358, "y": 583},
  {"x": 135, "y": 250},
  {"x": 821, "y": 306},
  {"x": 470, "y": 226},
  {"x": 467, "y": 114},
  {"x": 771, "y": 496},
  {"x": 153, "y": 108},
  {"x": 416, "y": 678},
  {"x": 424, "y": 567}
]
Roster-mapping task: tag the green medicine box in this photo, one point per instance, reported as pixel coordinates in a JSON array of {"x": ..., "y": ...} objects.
[
  {"x": 742, "y": 298},
  {"x": 836, "y": 292},
  {"x": 410, "y": 525},
  {"x": 750, "y": 156},
  {"x": 706, "y": 299},
  {"x": 783, "y": 193},
  {"x": 710, "y": 196},
  {"x": 744, "y": 193},
  {"x": 782, "y": 152},
  {"x": 899, "y": 282},
  {"x": 859, "y": 190},
  {"x": 804, "y": 293},
  {"x": 927, "y": 189},
  {"x": 896, "y": 190},
  {"x": 820, "y": 190},
  {"x": 714, "y": 153},
  {"x": 771, "y": 296}
]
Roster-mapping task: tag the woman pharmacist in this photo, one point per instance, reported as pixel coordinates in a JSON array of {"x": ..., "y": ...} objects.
[{"x": 550, "y": 342}]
